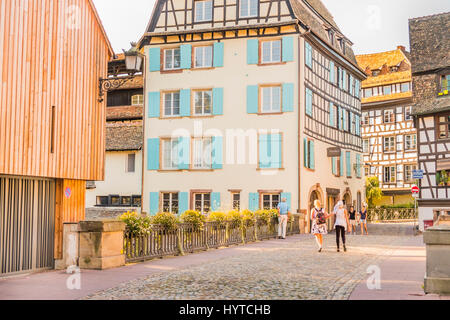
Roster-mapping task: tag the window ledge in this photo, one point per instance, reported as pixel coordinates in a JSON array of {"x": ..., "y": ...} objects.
[
  {"x": 170, "y": 170},
  {"x": 262, "y": 64},
  {"x": 270, "y": 169},
  {"x": 270, "y": 113},
  {"x": 171, "y": 71}
]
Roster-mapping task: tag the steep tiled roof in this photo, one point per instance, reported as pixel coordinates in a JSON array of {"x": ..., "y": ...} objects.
[
  {"x": 124, "y": 113},
  {"x": 385, "y": 79},
  {"x": 393, "y": 96},
  {"x": 377, "y": 60},
  {"x": 430, "y": 42},
  {"x": 123, "y": 136}
]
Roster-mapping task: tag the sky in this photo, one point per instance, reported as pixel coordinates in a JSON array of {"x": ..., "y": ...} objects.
[{"x": 372, "y": 25}]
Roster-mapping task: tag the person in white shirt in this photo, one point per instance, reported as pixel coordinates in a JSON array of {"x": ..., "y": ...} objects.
[{"x": 341, "y": 225}]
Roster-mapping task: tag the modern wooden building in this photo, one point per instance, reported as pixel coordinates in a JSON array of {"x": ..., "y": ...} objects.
[
  {"x": 249, "y": 102},
  {"x": 388, "y": 131},
  {"x": 52, "y": 127},
  {"x": 430, "y": 58}
]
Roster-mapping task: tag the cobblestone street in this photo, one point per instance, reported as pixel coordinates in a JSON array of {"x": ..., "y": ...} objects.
[{"x": 276, "y": 269}]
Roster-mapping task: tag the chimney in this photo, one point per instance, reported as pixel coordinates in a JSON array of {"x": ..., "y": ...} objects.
[{"x": 401, "y": 48}]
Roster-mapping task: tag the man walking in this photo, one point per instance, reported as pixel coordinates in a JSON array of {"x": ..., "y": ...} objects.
[{"x": 283, "y": 215}]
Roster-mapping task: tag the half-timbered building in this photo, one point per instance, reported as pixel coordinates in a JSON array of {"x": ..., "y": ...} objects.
[
  {"x": 430, "y": 58},
  {"x": 388, "y": 131},
  {"x": 52, "y": 54},
  {"x": 249, "y": 101}
]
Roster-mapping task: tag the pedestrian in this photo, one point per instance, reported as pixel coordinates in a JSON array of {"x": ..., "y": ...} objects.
[
  {"x": 319, "y": 223},
  {"x": 352, "y": 217},
  {"x": 283, "y": 216},
  {"x": 341, "y": 225},
  {"x": 363, "y": 219}
]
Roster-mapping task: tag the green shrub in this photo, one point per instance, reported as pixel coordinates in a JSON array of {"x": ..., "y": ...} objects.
[
  {"x": 399, "y": 206},
  {"x": 265, "y": 216},
  {"x": 193, "y": 217},
  {"x": 136, "y": 224},
  {"x": 235, "y": 217},
  {"x": 219, "y": 217},
  {"x": 166, "y": 219},
  {"x": 248, "y": 218}
]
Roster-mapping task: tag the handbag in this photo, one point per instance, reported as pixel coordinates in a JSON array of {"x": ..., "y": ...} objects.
[{"x": 320, "y": 217}]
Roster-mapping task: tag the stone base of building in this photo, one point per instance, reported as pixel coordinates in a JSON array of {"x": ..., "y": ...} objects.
[{"x": 437, "y": 286}]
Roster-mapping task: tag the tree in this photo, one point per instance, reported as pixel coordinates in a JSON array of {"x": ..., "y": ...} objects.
[{"x": 373, "y": 190}]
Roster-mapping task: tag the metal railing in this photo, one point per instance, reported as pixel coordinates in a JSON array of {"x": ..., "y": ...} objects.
[
  {"x": 185, "y": 238},
  {"x": 391, "y": 214}
]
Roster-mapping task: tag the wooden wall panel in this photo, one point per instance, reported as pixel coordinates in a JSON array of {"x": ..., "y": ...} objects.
[{"x": 52, "y": 53}]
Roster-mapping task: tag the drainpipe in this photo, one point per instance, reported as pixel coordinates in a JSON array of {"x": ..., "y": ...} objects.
[{"x": 144, "y": 78}]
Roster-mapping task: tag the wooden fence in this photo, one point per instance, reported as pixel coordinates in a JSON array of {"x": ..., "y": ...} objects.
[
  {"x": 185, "y": 238},
  {"x": 391, "y": 214}
]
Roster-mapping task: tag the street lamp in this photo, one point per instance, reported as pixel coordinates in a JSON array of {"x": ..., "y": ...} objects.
[{"x": 133, "y": 64}]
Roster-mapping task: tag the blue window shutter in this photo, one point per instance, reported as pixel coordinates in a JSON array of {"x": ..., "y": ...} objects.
[
  {"x": 252, "y": 99},
  {"x": 275, "y": 151},
  {"x": 253, "y": 201},
  {"x": 186, "y": 56},
  {"x": 183, "y": 153},
  {"x": 332, "y": 115},
  {"x": 309, "y": 98},
  {"x": 154, "y": 203},
  {"x": 153, "y": 154},
  {"x": 288, "y": 49},
  {"x": 252, "y": 51},
  {"x": 344, "y": 77},
  {"x": 358, "y": 165},
  {"x": 349, "y": 163},
  {"x": 264, "y": 152},
  {"x": 215, "y": 201},
  {"x": 342, "y": 164},
  {"x": 154, "y": 59},
  {"x": 358, "y": 125},
  {"x": 311, "y": 155},
  {"x": 339, "y": 123},
  {"x": 351, "y": 85},
  {"x": 357, "y": 88},
  {"x": 217, "y": 152},
  {"x": 288, "y": 197},
  {"x": 332, "y": 72},
  {"x": 288, "y": 97},
  {"x": 183, "y": 202},
  {"x": 333, "y": 166},
  {"x": 305, "y": 153},
  {"x": 341, "y": 83},
  {"x": 185, "y": 102},
  {"x": 218, "y": 54},
  {"x": 308, "y": 54},
  {"x": 154, "y": 102},
  {"x": 217, "y": 101}
]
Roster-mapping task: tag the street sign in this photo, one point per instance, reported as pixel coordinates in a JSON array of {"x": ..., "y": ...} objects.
[
  {"x": 415, "y": 189},
  {"x": 417, "y": 174}
]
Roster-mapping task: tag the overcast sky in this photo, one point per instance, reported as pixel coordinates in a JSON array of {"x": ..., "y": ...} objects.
[{"x": 372, "y": 25}]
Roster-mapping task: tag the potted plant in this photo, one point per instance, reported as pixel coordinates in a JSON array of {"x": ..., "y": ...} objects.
[{"x": 444, "y": 178}]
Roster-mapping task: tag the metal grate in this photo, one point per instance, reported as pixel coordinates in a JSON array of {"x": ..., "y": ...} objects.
[{"x": 27, "y": 224}]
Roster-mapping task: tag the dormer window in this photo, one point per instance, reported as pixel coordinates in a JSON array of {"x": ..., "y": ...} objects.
[
  {"x": 331, "y": 36},
  {"x": 394, "y": 68},
  {"x": 248, "y": 8},
  {"x": 342, "y": 43},
  {"x": 375, "y": 73},
  {"x": 444, "y": 85}
]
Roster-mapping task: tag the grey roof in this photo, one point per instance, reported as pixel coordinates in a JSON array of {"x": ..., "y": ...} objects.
[{"x": 124, "y": 136}]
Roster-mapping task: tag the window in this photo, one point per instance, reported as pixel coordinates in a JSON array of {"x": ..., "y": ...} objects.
[
  {"x": 248, "y": 8},
  {"x": 367, "y": 92},
  {"x": 172, "y": 59},
  {"x": 203, "y": 103},
  {"x": 389, "y": 116},
  {"x": 136, "y": 201},
  {"x": 170, "y": 154},
  {"x": 137, "y": 100},
  {"x": 203, "y": 11},
  {"x": 365, "y": 118},
  {"x": 366, "y": 171},
  {"x": 236, "y": 198},
  {"x": 172, "y": 104},
  {"x": 270, "y": 99},
  {"x": 406, "y": 87},
  {"x": 366, "y": 145},
  {"x": 114, "y": 200},
  {"x": 331, "y": 36},
  {"x": 410, "y": 142},
  {"x": 309, "y": 156},
  {"x": 375, "y": 73},
  {"x": 202, "y": 202},
  {"x": 125, "y": 201},
  {"x": 408, "y": 172},
  {"x": 203, "y": 57},
  {"x": 444, "y": 85},
  {"x": 387, "y": 90},
  {"x": 270, "y": 151},
  {"x": 408, "y": 115},
  {"x": 444, "y": 127},
  {"x": 270, "y": 201},
  {"x": 131, "y": 162},
  {"x": 345, "y": 117},
  {"x": 309, "y": 102},
  {"x": 271, "y": 51},
  {"x": 202, "y": 153},
  {"x": 308, "y": 54},
  {"x": 118, "y": 201},
  {"x": 102, "y": 201},
  {"x": 389, "y": 175},
  {"x": 169, "y": 202},
  {"x": 389, "y": 144}
]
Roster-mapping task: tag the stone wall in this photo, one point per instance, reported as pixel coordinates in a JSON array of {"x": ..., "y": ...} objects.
[{"x": 106, "y": 213}]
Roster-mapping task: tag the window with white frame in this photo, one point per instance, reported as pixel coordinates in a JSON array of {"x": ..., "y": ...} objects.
[
  {"x": 270, "y": 201},
  {"x": 408, "y": 115},
  {"x": 203, "y": 10},
  {"x": 366, "y": 171},
  {"x": 131, "y": 163},
  {"x": 236, "y": 198},
  {"x": 389, "y": 116},
  {"x": 203, "y": 103},
  {"x": 170, "y": 154},
  {"x": 169, "y": 202},
  {"x": 271, "y": 99},
  {"x": 202, "y": 153},
  {"x": 365, "y": 118},
  {"x": 172, "y": 59},
  {"x": 389, "y": 174},
  {"x": 410, "y": 142},
  {"x": 389, "y": 144},
  {"x": 203, "y": 57},
  {"x": 271, "y": 51},
  {"x": 366, "y": 145},
  {"x": 248, "y": 8},
  {"x": 137, "y": 100},
  {"x": 408, "y": 172},
  {"x": 202, "y": 202},
  {"x": 172, "y": 104}
]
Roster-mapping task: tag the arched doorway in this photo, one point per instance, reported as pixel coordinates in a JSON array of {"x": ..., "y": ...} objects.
[
  {"x": 347, "y": 200},
  {"x": 315, "y": 193}
]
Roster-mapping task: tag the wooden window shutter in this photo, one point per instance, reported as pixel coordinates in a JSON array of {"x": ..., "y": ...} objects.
[
  {"x": 183, "y": 202},
  {"x": 217, "y": 101},
  {"x": 154, "y": 59},
  {"x": 154, "y": 203},
  {"x": 153, "y": 154},
  {"x": 288, "y": 49},
  {"x": 288, "y": 97},
  {"x": 311, "y": 155},
  {"x": 217, "y": 152},
  {"x": 154, "y": 104},
  {"x": 218, "y": 54},
  {"x": 252, "y": 99},
  {"x": 185, "y": 102},
  {"x": 253, "y": 201},
  {"x": 252, "y": 51},
  {"x": 186, "y": 56},
  {"x": 183, "y": 153},
  {"x": 215, "y": 201}
]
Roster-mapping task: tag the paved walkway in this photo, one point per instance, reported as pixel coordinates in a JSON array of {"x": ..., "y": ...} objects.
[{"x": 275, "y": 269}]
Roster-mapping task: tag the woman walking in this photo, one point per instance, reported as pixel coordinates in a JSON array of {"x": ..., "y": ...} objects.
[
  {"x": 363, "y": 219},
  {"x": 319, "y": 223},
  {"x": 341, "y": 225},
  {"x": 352, "y": 217}
]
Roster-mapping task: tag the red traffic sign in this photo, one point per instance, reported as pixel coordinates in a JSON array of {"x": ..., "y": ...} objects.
[{"x": 415, "y": 189}]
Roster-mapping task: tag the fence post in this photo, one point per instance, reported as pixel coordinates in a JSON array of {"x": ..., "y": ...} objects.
[{"x": 179, "y": 244}]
